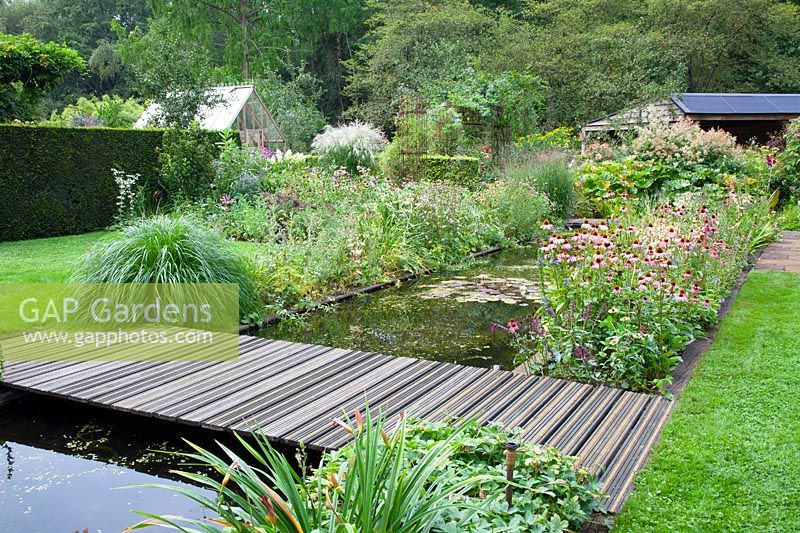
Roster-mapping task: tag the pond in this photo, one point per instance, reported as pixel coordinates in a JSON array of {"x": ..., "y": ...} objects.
[
  {"x": 61, "y": 465},
  {"x": 443, "y": 317}
]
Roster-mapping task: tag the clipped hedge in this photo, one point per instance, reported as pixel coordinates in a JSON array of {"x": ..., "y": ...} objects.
[
  {"x": 459, "y": 170},
  {"x": 58, "y": 181}
]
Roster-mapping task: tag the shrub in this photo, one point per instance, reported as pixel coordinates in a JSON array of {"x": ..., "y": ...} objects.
[
  {"x": 446, "y": 220},
  {"x": 518, "y": 207},
  {"x": 788, "y": 175},
  {"x": 247, "y": 184},
  {"x": 186, "y": 164},
  {"x": 553, "y": 176},
  {"x": 457, "y": 170},
  {"x": 684, "y": 143},
  {"x": 110, "y": 111},
  {"x": 789, "y": 216},
  {"x": 351, "y": 145},
  {"x": 28, "y": 70},
  {"x": 572, "y": 493},
  {"x": 561, "y": 138},
  {"x": 447, "y": 135},
  {"x": 232, "y": 162},
  {"x": 169, "y": 250},
  {"x": 243, "y": 218}
]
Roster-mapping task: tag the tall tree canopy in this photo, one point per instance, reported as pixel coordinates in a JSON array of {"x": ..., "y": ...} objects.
[{"x": 359, "y": 58}]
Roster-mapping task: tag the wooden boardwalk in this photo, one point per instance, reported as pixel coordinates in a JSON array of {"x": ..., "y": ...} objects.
[{"x": 293, "y": 391}]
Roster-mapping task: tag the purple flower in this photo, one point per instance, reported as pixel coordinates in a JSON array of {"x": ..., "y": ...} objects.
[
  {"x": 583, "y": 353},
  {"x": 770, "y": 160}
]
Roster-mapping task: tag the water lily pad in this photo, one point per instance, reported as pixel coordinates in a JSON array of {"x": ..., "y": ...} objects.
[{"x": 484, "y": 288}]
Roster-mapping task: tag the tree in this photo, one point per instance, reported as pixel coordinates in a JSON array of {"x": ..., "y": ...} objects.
[
  {"x": 28, "y": 69},
  {"x": 91, "y": 27},
  {"x": 241, "y": 18},
  {"x": 169, "y": 71},
  {"x": 319, "y": 35},
  {"x": 412, "y": 48},
  {"x": 292, "y": 104},
  {"x": 731, "y": 45}
]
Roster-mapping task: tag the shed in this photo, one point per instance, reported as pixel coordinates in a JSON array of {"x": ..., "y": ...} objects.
[
  {"x": 745, "y": 116},
  {"x": 231, "y": 107}
]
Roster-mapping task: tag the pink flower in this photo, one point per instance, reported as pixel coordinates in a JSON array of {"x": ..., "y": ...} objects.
[
  {"x": 513, "y": 325},
  {"x": 681, "y": 297}
]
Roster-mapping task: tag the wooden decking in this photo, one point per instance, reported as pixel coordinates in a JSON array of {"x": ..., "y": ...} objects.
[{"x": 293, "y": 391}]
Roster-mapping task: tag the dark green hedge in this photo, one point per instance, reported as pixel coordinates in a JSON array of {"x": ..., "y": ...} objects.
[
  {"x": 58, "y": 181},
  {"x": 459, "y": 170}
]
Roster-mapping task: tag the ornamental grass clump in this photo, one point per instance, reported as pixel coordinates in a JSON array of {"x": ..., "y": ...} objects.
[
  {"x": 552, "y": 176},
  {"x": 351, "y": 145},
  {"x": 519, "y": 208},
  {"x": 169, "y": 250}
]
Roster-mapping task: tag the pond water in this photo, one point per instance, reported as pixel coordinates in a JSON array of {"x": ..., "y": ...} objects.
[
  {"x": 443, "y": 317},
  {"x": 61, "y": 465}
]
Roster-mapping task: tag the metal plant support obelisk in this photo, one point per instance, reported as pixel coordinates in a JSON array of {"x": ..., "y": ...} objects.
[{"x": 412, "y": 134}]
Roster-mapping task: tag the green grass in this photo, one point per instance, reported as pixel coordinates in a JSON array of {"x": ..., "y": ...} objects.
[
  {"x": 729, "y": 458},
  {"x": 44, "y": 260},
  {"x": 52, "y": 260}
]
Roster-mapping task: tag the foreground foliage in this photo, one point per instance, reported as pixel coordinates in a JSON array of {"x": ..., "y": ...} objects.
[
  {"x": 422, "y": 477},
  {"x": 728, "y": 457}
]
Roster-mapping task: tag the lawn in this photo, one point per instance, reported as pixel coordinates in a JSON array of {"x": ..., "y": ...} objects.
[
  {"x": 729, "y": 458},
  {"x": 44, "y": 260},
  {"x": 52, "y": 260}
]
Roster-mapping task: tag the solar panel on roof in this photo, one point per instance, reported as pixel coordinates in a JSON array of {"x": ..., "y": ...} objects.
[
  {"x": 738, "y": 104},
  {"x": 785, "y": 103},
  {"x": 749, "y": 104}
]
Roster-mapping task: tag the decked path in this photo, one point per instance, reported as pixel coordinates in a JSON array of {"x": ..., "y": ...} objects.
[
  {"x": 782, "y": 255},
  {"x": 293, "y": 391}
]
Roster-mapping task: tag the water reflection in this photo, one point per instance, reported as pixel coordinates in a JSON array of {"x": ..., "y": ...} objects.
[
  {"x": 443, "y": 317},
  {"x": 63, "y": 464}
]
